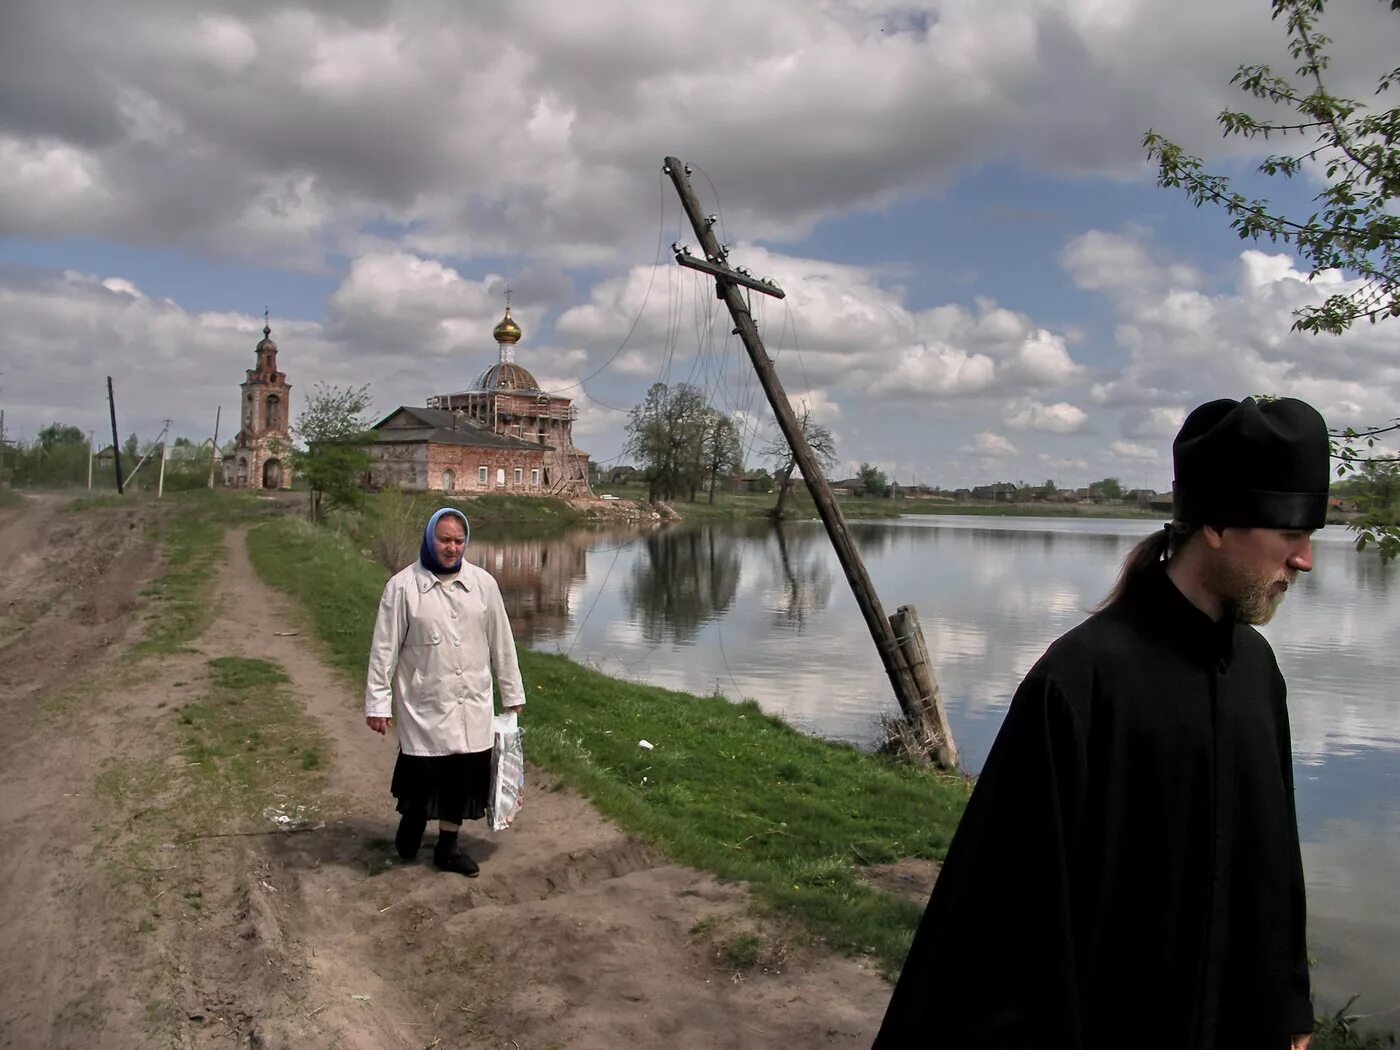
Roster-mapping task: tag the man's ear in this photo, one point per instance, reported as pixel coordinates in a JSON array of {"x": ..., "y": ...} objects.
[{"x": 1214, "y": 537}]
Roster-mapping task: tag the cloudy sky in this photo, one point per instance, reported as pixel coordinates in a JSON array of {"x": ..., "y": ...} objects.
[{"x": 983, "y": 281}]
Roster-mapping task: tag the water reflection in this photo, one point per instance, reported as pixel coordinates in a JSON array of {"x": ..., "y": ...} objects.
[
  {"x": 536, "y": 577},
  {"x": 688, "y": 578},
  {"x": 803, "y": 586}
]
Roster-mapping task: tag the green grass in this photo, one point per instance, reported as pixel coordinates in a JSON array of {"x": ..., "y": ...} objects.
[
  {"x": 727, "y": 788},
  {"x": 246, "y": 740}
]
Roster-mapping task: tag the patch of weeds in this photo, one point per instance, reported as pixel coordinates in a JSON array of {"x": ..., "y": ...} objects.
[
  {"x": 1340, "y": 1031},
  {"x": 742, "y": 946},
  {"x": 240, "y": 672},
  {"x": 382, "y": 854},
  {"x": 741, "y": 951},
  {"x": 703, "y": 927}
]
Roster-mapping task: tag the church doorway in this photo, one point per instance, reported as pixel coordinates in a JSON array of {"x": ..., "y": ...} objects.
[{"x": 272, "y": 474}]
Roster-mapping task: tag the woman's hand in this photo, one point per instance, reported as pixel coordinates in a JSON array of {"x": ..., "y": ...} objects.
[{"x": 379, "y": 725}]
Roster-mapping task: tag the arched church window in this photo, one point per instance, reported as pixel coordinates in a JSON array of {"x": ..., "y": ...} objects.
[{"x": 449, "y": 481}]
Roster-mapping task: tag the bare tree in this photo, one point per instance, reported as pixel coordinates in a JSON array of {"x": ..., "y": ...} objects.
[{"x": 823, "y": 447}]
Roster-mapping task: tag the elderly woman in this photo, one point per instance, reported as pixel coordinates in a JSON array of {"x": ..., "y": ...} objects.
[{"x": 440, "y": 634}]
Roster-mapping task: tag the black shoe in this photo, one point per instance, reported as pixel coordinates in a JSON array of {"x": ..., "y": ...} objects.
[
  {"x": 448, "y": 856},
  {"x": 410, "y": 835}
]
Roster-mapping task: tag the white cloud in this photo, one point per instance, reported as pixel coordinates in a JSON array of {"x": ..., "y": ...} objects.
[
  {"x": 1129, "y": 450},
  {"x": 993, "y": 446},
  {"x": 1185, "y": 345},
  {"x": 538, "y": 129},
  {"x": 1060, "y": 418},
  {"x": 1160, "y": 421}
]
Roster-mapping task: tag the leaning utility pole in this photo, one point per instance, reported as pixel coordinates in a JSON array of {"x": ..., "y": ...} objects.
[
  {"x": 160, "y": 483},
  {"x": 116, "y": 444},
  {"x": 214, "y": 448},
  {"x": 922, "y": 708}
]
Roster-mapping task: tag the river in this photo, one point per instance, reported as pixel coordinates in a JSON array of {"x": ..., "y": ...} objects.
[{"x": 750, "y": 612}]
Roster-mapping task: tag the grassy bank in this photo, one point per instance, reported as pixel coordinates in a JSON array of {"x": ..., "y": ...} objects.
[
  {"x": 739, "y": 506},
  {"x": 726, "y": 788}
]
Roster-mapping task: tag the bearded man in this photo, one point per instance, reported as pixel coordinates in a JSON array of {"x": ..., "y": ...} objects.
[
  {"x": 440, "y": 634},
  {"x": 1127, "y": 872}
]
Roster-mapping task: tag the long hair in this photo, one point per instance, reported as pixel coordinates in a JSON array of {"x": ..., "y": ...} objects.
[{"x": 1161, "y": 546}]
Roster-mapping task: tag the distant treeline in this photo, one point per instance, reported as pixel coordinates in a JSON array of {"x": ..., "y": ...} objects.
[{"x": 57, "y": 457}]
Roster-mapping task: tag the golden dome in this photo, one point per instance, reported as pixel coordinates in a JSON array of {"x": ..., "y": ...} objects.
[{"x": 507, "y": 331}]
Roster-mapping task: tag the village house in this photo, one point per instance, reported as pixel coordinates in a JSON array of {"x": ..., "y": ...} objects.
[
  {"x": 503, "y": 434},
  {"x": 258, "y": 459},
  {"x": 1001, "y": 492}
]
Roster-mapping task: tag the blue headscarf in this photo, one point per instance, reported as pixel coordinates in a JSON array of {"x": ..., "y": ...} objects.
[{"x": 427, "y": 555}]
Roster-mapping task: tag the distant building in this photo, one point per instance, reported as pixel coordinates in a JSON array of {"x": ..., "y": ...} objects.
[
  {"x": 749, "y": 481},
  {"x": 432, "y": 448},
  {"x": 260, "y": 448},
  {"x": 1001, "y": 492},
  {"x": 848, "y": 487},
  {"x": 504, "y": 434},
  {"x": 506, "y": 401}
]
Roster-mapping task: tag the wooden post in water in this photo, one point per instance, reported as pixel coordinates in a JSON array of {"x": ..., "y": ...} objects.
[
  {"x": 932, "y": 719},
  {"x": 912, "y": 701}
]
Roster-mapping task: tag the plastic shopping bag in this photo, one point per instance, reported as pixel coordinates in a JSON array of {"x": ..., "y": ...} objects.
[{"x": 507, "y": 772}]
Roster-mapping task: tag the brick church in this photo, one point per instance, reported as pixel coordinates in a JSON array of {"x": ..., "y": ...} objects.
[
  {"x": 264, "y": 439},
  {"x": 504, "y": 434}
]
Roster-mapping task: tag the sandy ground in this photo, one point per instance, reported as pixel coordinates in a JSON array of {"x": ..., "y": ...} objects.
[{"x": 574, "y": 936}]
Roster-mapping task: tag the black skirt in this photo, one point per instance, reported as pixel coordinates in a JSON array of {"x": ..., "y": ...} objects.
[{"x": 443, "y": 787}]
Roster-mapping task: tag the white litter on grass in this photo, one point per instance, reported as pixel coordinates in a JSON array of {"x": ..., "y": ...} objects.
[
  {"x": 286, "y": 817},
  {"x": 646, "y": 745}
]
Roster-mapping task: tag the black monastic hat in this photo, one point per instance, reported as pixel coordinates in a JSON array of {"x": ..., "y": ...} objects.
[{"x": 1254, "y": 464}]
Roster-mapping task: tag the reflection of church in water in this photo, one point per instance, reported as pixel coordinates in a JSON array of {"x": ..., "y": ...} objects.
[{"x": 536, "y": 578}]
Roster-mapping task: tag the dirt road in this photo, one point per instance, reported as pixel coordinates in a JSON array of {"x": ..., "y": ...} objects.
[{"x": 574, "y": 936}]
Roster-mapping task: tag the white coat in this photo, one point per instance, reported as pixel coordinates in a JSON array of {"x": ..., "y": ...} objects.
[{"x": 430, "y": 663}]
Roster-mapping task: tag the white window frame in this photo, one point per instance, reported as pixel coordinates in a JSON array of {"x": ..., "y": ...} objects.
[
  {"x": 481, "y": 476},
  {"x": 534, "y": 477},
  {"x": 518, "y": 478}
]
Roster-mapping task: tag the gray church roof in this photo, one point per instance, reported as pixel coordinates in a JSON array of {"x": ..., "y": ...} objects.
[{"x": 409, "y": 425}]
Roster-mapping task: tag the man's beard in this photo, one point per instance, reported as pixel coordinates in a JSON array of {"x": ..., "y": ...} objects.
[{"x": 1252, "y": 596}]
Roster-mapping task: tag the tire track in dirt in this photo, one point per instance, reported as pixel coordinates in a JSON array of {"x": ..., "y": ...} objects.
[{"x": 68, "y": 585}]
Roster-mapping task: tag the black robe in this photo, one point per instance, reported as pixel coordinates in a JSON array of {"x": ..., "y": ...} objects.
[{"x": 1127, "y": 872}]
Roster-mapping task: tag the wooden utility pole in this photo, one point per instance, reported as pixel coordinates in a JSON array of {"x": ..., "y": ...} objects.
[
  {"x": 116, "y": 444},
  {"x": 90, "y": 450},
  {"x": 214, "y": 451},
  {"x": 898, "y": 666},
  {"x": 160, "y": 481}
]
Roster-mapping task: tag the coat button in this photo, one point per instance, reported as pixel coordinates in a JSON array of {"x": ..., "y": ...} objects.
[{"x": 459, "y": 670}]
